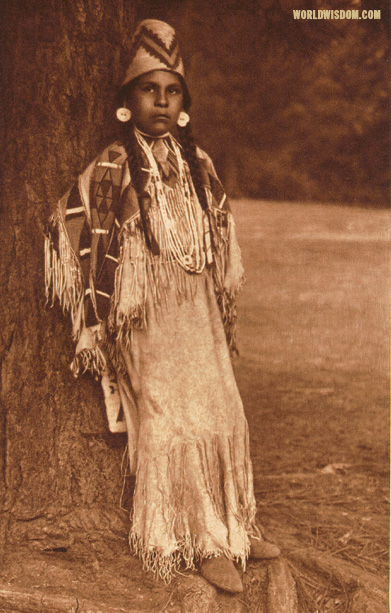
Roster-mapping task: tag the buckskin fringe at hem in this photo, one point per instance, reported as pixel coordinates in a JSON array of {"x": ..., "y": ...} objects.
[
  {"x": 164, "y": 566},
  {"x": 168, "y": 506}
]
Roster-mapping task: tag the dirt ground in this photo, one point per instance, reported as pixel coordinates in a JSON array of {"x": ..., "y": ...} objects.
[{"x": 313, "y": 373}]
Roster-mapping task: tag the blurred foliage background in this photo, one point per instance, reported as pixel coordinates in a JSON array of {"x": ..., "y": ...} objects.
[{"x": 288, "y": 109}]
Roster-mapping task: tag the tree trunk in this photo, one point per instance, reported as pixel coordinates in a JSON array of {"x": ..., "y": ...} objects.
[{"x": 62, "y": 63}]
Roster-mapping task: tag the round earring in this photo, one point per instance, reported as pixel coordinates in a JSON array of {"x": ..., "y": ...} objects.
[
  {"x": 183, "y": 119},
  {"x": 123, "y": 114}
]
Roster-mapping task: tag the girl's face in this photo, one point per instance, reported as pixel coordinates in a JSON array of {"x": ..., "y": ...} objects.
[{"x": 156, "y": 100}]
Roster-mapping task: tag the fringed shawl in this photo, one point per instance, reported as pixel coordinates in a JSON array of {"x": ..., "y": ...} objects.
[{"x": 98, "y": 266}]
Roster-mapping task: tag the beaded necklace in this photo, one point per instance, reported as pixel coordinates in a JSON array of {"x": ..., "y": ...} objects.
[{"x": 191, "y": 257}]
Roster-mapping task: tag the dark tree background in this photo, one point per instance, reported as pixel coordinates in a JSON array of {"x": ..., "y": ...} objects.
[
  {"x": 62, "y": 61},
  {"x": 290, "y": 110},
  {"x": 293, "y": 110}
]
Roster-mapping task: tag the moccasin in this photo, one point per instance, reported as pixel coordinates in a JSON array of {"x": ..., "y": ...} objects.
[
  {"x": 262, "y": 550},
  {"x": 222, "y": 573}
]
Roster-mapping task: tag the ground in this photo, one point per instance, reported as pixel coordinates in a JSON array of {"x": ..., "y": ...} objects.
[{"x": 313, "y": 374}]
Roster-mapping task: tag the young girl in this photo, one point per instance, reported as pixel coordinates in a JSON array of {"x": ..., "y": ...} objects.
[{"x": 142, "y": 252}]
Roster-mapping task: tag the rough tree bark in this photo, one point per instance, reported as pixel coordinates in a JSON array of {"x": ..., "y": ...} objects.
[{"x": 61, "y": 65}]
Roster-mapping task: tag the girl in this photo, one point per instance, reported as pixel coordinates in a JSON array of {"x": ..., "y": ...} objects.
[{"x": 142, "y": 252}]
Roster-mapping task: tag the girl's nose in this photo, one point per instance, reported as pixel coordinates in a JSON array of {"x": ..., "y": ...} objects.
[{"x": 161, "y": 99}]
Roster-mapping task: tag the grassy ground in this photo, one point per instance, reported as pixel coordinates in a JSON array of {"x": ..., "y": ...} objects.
[
  {"x": 314, "y": 334},
  {"x": 313, "y": 374}
]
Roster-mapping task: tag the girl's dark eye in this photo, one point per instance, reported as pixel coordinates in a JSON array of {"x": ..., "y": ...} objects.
[{"x": 174, "y": 90}]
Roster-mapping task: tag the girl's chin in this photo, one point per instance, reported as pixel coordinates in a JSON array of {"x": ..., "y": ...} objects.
[{"x": 158, "y": 127}]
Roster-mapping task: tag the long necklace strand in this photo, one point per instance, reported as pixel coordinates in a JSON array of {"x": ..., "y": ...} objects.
[{"x": 192, "y": 259}]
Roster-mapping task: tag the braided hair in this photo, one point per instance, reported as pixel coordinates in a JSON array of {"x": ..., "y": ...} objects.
[
  {"x": 136, "y": 160},
  {"x": 186, "y": 139},
  {"x": 139, "y": 177}
]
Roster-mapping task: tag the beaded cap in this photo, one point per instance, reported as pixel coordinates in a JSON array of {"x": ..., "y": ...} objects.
[{"x": 154, "y": 47}]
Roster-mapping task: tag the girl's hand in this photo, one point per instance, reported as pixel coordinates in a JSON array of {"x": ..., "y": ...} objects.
[{"x": 90, "y": 337}]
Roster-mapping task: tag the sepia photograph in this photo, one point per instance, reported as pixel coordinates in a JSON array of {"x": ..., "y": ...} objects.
[{"x": 195, "y": 306}]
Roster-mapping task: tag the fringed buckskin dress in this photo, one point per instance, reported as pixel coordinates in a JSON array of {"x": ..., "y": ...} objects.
[{"x": 157, "y": 323}]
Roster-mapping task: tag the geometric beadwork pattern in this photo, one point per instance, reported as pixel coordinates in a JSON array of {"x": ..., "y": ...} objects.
[{"x": 155, "y": 46}]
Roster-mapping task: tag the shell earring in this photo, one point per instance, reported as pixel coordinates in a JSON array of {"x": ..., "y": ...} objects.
[
  {"x": 183, "y": 119},
  {"x": 123, "y": 114}
]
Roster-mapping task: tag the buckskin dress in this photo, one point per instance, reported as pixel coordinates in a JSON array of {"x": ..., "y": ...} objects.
[{"x": 163, "y": 345}]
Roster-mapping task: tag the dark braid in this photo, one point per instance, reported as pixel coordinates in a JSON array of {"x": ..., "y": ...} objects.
[
  {"x": 186, "y": 138},
  {"x": 139, "y": 177},
  {"x": 135, "y": 158},
  {"x": 129, "y": 141}
]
